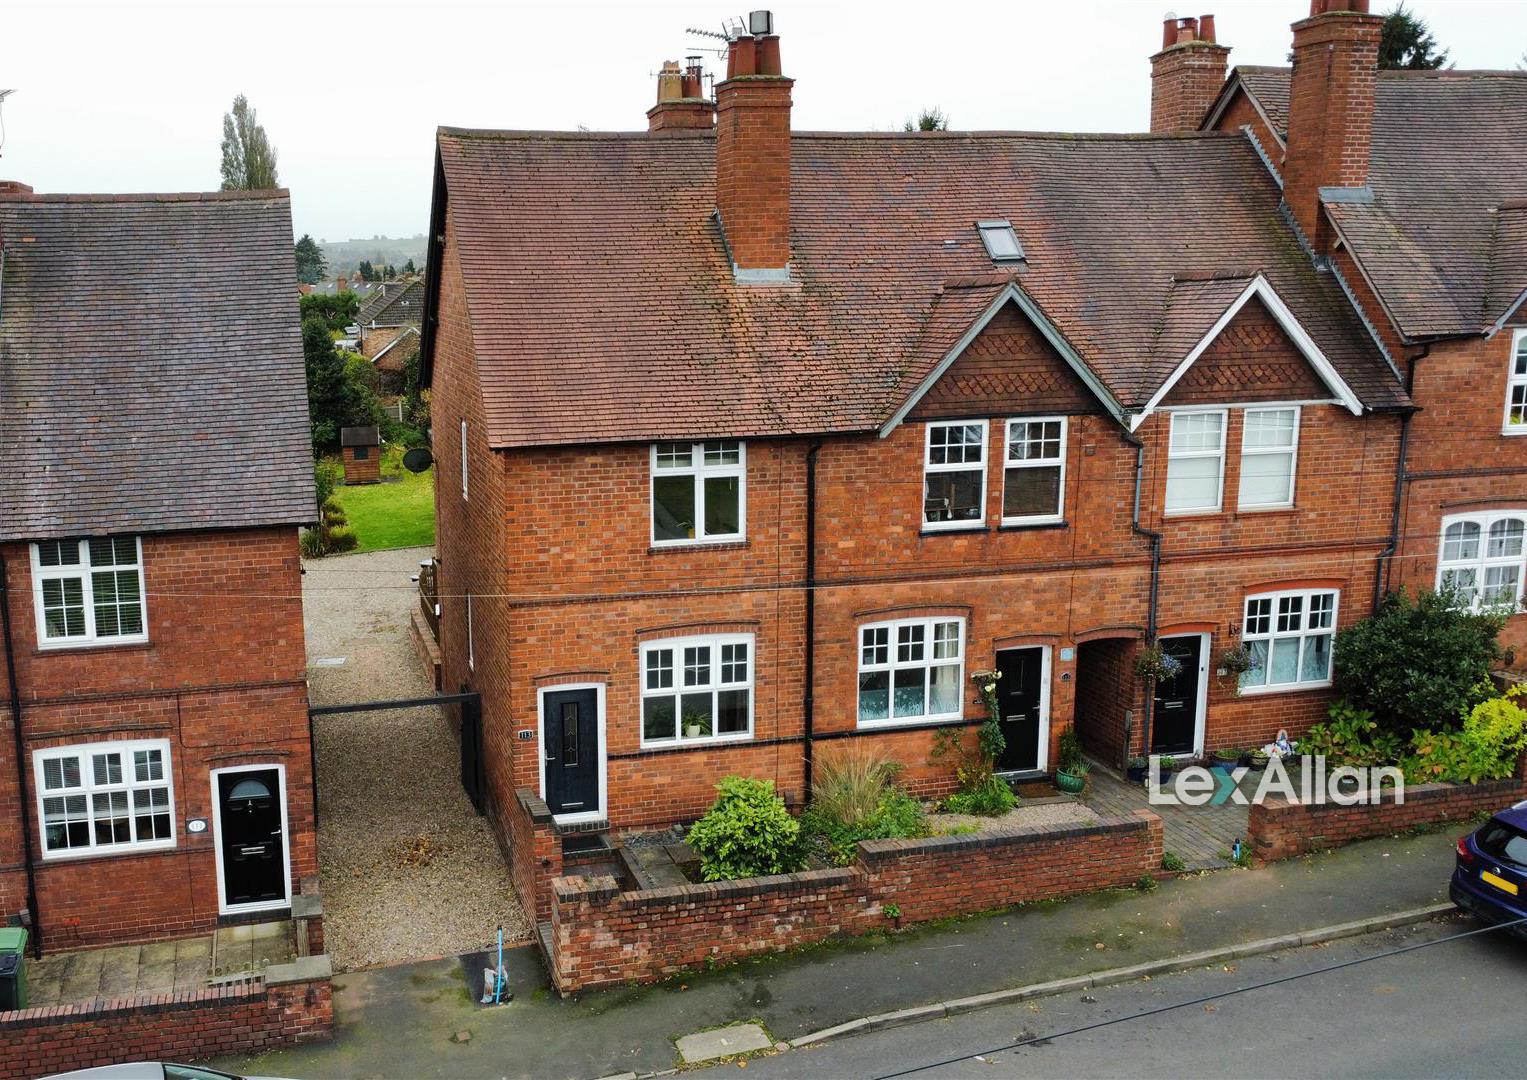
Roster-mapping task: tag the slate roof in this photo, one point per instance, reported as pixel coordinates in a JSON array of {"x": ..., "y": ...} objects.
[
  {"x": 151, "y": 369},
  {"x": 1448, "y": 154},
  {"x": 394, "y": 303},
  {"x": 603, "y": 307}
]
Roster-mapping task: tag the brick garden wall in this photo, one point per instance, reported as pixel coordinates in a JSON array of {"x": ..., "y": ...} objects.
[
  {"x": 1282, "y": 830},
  {"x": 166, "y": 1027},
  {"x": 602, "y": 936}
]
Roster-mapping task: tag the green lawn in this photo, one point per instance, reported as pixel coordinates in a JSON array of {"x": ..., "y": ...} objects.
[{"x": 398, "y": 512}]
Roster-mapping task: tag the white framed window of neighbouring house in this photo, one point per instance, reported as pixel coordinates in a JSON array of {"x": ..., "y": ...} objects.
[
  {"x": 1289, "y": 635},
  {"x": 697, "y": 689},
  {"x": 954, "y": 475},
  {"x": 1034, "y": 471},
  {"x": 89, "y": 591},
  {"x": 1195, "y": 468},
  {"x": 911, "y": 671},
  {"x": 1481, "y": 558},
  {"x": 104, "y": 798},
  {"x": 1269, "y": 457},
  {"x": 699, "y": 492},
  {"x": 1516, "y": 386}
]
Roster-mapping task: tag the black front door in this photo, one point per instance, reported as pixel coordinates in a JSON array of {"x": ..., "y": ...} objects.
[
  {"x": 1020, "y": 701},
  {"x": 253, "y": 845},
  {"x": 1174, "y": 726},
  {"x": 571, "y": 730}
]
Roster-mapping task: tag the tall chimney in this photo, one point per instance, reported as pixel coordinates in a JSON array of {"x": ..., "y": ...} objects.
[
  {"x": 1186, "y": 75},
  {"x": 681, "y": 104},
  {"x": 753, "y": 154},
  {"x": 1330, "y": 108}
]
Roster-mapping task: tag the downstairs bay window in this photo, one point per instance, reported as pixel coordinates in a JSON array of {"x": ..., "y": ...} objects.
[
  {"x": 697, "y": 689},
  {"x": 1289, "y": 635},
  {"x": 911, "y": 670},
  {"x": 104, "y": 798}
]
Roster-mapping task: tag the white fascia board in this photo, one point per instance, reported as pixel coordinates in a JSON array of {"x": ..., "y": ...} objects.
[
  {"x": 1051, "y": 334},
  {"x": 1285, "y": 318}
]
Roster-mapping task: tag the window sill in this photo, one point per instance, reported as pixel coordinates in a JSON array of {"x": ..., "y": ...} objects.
[
  {"x": 1291, "y": 688},
  {"x": 51, "y": 858},
  {"x": 909, "y": 722},
  {"x": 698, "y": 545},
  {"x": 90, "y": 646},
  {"x": 956, "y": 530},
  {"x": 695, "y": 744},
  {"x": 1511, "y": 431},
  {"x": 1021, "y": 526},
  {"x": 1282, "y": 508},
  {"x": 1185, "y": 515}
]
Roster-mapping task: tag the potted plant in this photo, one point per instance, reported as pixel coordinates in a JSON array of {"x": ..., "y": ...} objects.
[
  {"x": 696, "y": 724},
  {"x": 1168, "y": 765},
  {"x": 1137, "y": 768},
  {"x": 1238, "y": 661},
  {"x": 1156, "y": 665},
  {"x": 1227, "y": 759},
  {"x": 1256, "y": 761},
  {"x": 1071, "y": 770}
]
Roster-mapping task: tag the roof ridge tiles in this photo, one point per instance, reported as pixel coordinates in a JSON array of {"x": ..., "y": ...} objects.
[
  {"x": 160, "y": 197},
  {"x": 515, "y": 135}
]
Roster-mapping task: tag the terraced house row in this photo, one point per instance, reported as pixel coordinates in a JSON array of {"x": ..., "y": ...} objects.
[{"x": 751, "y": 440}]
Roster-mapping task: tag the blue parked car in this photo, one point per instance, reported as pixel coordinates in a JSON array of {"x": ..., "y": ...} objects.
[{"x": 1490, "y": 878}]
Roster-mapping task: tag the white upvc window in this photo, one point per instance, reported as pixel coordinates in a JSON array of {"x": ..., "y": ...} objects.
[
  {"x": 697, "y": 689},
  {"x": 464, "y": 461},
  {"x": 954, "y": 475},
  {"x": 1481, "y": 558},
  {"x": 911, "y": 670},
  {"x": 1269, "y": 457},
  {"x": 1516, "y": 386},
  {"x": 89, "y": 592},
  {"x": 1195, "y": 465},
  {"x": 699, "y": 492},
  {"x": 105, "y": 797},
  {"x": 1290, "y": 636},
  {"x": 1034, "y": 471}
]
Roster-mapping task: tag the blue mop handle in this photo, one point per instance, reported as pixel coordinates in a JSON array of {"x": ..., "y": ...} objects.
[{"x": 498, "y": 972}]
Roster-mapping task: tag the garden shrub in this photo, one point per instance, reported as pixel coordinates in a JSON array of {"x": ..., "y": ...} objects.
[
  {"x": 1446, "y": 757},
  {"x": 1497, "y": 726},
  {"x": 747, "y": 832},
  {"x": 1417, "y": 662},
  {"x": 989, "y": 796},
  {"x": 311, "y": 544},
  {"x": 1352, "y": 737},
  {"x": 854, "y": 797}
]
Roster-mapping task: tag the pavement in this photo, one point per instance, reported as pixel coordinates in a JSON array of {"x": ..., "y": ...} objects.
[
  {"x": 422, "y": 1020},
  {"x": 1451, "y": 1008}
]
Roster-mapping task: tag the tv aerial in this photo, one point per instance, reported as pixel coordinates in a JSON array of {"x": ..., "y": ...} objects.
[{"x": 757, "y": 23}]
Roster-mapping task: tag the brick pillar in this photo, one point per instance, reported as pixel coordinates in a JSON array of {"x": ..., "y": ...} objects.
[
  {"x": 1330, "y": 109},
  {"x": 1186, "y": 75},
  {"x": 753, "y": 156}
]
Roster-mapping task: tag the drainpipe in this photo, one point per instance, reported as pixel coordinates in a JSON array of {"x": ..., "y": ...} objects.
[
  {"x": 1150, "y": 616},
  {"x": 1386, "y": 557},
  {"x": 23, "y": 798},
  {"x": 807, "y": 704}
]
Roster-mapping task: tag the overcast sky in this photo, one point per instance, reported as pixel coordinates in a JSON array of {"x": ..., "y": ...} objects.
[{"x": 129, "y": 96}]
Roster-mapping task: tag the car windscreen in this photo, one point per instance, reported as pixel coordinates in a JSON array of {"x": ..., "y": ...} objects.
[{"x": 1504, "y": 843}]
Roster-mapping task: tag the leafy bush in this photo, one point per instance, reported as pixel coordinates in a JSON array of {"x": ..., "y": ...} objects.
[
  {"x": 311, "y": 544},
  {"x": 1445, "y": 756},
  {"x": 1352, "y": 737},
  {"x": 1498, "y": 727},
  {"x": 855, "y": 797},
  {"x": 341, "y": 540},
  {"x": 988, "y": 797},
  {"x": 327, "y": 473},
  {"x": 746, "y": 833},
  {"x": 1071, "y": 759},
  {"x": 1416, "y": 662}
]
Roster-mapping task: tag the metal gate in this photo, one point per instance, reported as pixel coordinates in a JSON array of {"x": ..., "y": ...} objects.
[{"x": 473, "y": 775}]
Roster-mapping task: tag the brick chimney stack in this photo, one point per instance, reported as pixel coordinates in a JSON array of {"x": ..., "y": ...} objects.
[
  {"x": 1330, "y": 108},
  {"x": 1186, "y": 74},
  {"x": 14, "y": 189},
  {"x": 753, "y": 154},
  {"x": 681, "y": 103}
]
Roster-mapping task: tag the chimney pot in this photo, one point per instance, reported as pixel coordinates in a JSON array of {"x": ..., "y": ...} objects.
[
  {"x": 1169, "y": 32},
  {"x": 742, "y": 58},
  {"x": 1187, "y": 74},
  {"x": 1206, "y": 29},
  {"x": 768, "y": 55},
  {"x": 670, "y": 84}
]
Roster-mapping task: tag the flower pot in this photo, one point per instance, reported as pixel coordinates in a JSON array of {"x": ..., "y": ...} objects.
[
  {"x": 1137, "y": 773},
  {"x": 1070, "y": 783},
  {"x": 692, "y": 731}
]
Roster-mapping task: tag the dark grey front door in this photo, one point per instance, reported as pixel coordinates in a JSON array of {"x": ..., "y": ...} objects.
[
  {"x": 1174, "y": 727},
  {"x": 570, "y": 729},
  {"x": 1020, "y": 700},
  {"x": 253, "y": 844}
]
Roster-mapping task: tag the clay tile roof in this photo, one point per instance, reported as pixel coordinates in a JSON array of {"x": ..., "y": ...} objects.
[
  {"x": 1193, "y": 305},
  {"x": 603, "y": 308},
  {"x": 394, "y": 303},
  {"x": 1448, "y": 152},
  {"x": 151, "y": 365}
]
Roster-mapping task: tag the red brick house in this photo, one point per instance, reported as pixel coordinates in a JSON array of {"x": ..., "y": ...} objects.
[
  {"x": 1410, "y": 189},
  {"x": 750, "y": 441},
  {"x": 155, "y": 771}
]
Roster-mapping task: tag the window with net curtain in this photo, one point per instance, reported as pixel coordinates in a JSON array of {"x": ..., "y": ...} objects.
[
  {"x": 911, "y": 670},
  {"x": 1289, "y": 635}
]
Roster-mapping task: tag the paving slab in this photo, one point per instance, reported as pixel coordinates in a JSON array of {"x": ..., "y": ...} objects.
[{"x": 723, "y": 1042}]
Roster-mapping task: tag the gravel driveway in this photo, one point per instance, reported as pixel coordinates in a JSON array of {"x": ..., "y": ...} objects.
[{"x": 408, "y": 869}]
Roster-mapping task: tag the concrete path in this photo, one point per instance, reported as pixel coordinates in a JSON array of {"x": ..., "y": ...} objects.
[{"x": 400, "y": 1021}]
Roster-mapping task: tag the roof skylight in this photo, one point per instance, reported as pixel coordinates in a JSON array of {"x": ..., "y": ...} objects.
[{"x": 1001, "y": 241}]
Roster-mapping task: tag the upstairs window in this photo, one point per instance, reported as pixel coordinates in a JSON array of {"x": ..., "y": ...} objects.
[
  {"x": 1001, "y": 241},
  {"x": 1481, "y": 558},
  {"x": 1269, "y": 451},
  {"x": 954, "y": 476},
  {"x": 105, "y": 797},
  {"x": 1289, "y": 635},
  {"x": 1516, "y": 386},
  {"x": 89, "y": 592},
  {"x": 1195, "y": 468},
  {"x": 911, "y": 670},
  {"x": 698, "y": 492},
  {"x": 1034, "y": 474},
  {"x": 697, "y": 689}
]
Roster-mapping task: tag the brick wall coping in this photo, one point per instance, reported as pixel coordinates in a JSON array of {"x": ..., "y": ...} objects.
[
  {"x": 534, "y": 806},
  {"x": 1413, "y": 794},
  {"x": 878, "y": 851}
]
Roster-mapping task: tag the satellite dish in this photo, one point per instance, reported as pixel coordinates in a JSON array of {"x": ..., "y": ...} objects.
[{"x": 418, "y": 459}]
